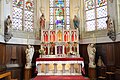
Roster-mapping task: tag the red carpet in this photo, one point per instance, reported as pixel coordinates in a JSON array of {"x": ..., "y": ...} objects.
[{"x": 60, "y": 78}]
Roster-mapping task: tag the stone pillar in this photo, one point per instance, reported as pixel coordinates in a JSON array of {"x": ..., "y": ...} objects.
[
  {"x": 71, "y": 68},
  {"x": 63, "y": 68},
  {"x": 79, "y": 69},
  {"x": 55, "y": 68},
  {"x": 46, "y": 68},
  {"x": 39, "y": 68}
]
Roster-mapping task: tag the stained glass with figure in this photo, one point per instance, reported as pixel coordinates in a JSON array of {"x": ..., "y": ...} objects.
[
  {"x": 101, "y": 3},
  {"x": 17, "y": 14},
  {"x": 28, "y": 15},
  {"x": 23, "y": 15},
  {"x": 59, "y": 3},
  {"x": 18, "y": 3},
  {"x": 58, "y": 10},
  {"x": 95, "y": 14},
  {"x": 89, "y": 4}
]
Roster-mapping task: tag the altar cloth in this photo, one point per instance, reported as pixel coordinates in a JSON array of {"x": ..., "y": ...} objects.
[
  {"x": 79, "y": 61},
  {"x": 59, "y": 59}
]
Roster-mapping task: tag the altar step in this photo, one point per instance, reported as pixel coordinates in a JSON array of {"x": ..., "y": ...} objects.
[
  {"x": 59, "y": 72},
  {"x": 65, "y": 77}
]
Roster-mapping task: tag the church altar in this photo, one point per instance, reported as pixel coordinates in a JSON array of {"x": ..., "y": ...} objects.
[
  {"x": 59, "y": 46},
  {"x": 60, "y": 66}
]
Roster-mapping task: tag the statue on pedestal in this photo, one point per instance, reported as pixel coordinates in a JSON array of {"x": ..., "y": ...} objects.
[
  {"x": 76, "y": 22},
  {"x": 42, "y": 21},
  {"x": 91, "y": 53},
  {"x": 29, "y": 54},
  {"x": 8, "y": 29},
  {"x": 110, "y": 28}
]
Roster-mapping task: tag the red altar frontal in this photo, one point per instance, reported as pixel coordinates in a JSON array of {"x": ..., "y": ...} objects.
[{"x": 59, "y": 66}]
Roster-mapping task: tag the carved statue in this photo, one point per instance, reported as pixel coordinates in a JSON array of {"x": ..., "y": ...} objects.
[
  {"x": 110, "y": 28},
  {"x": 42, "y": 21},
  {"x": 29, "y": 54},
  {"x": 76, "y": 22},
  {"x": 100, "y": 62},
  {"x": 91, "y": 53},
  {"x": 8, "y": 29}
]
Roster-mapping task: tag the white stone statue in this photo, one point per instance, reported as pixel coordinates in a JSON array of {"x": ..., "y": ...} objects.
[
  {"x": 91, "y": 53},
  {"x": 29, "y": 54},
  {"x": 100, "y": 62}
]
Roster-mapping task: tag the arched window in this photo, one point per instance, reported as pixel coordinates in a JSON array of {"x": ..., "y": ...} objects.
[
  {"x": 118, "y": 11},
  {"x": 95, "y": 14},
  {"x": 0, "y": 15},
  {"x": 23, "y": 15},
  {"x": 59, "y": 14}
]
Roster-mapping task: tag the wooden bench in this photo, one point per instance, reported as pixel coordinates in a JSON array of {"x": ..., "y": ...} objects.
[
  {"x": 6, "y": 74},
  {"x": 110, "y": 75},
  {"x": 101, "y": 78}
]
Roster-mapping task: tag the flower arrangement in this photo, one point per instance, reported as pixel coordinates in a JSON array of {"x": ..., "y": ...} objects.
[
  {"x": 71, "y": 53},
  {"x": 41, "y": 51}
]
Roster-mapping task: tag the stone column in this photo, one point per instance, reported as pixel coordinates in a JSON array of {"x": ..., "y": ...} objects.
[
  {"x": 39, "y": 68},
  {"x": 55, "y": 68},
  {"x": 46, "y": 68},
  {"x": 79, "y": 69},
  {"x": 72, "y": 68},
  {"x": 63, "y": 68}
]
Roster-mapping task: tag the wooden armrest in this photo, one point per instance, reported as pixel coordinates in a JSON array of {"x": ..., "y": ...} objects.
[
  {"x": 110, "y": 73},
  {"x": 101, "y": 77},
  {"x": 7, "y": 74}
]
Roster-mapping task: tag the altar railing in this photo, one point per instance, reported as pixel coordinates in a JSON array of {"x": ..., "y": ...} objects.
[{"x": 75, "y": 66}]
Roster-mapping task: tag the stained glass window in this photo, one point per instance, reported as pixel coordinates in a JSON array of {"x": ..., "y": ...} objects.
[
  {"x": 96, "y": 14},
  {"x": 23, "y": 15},
  {"x": 0, "y": 15},
  {"x": 58, "y": 10},
  {"x": 118, "y": 11}
]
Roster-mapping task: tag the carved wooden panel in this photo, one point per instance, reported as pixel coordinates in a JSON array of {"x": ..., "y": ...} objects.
[
  {"x": 8, "y": 54},
  {"x": 110, "y": 53},
  {"x": 117, "y": 55},
  {"x": 2, "y": 54}
]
